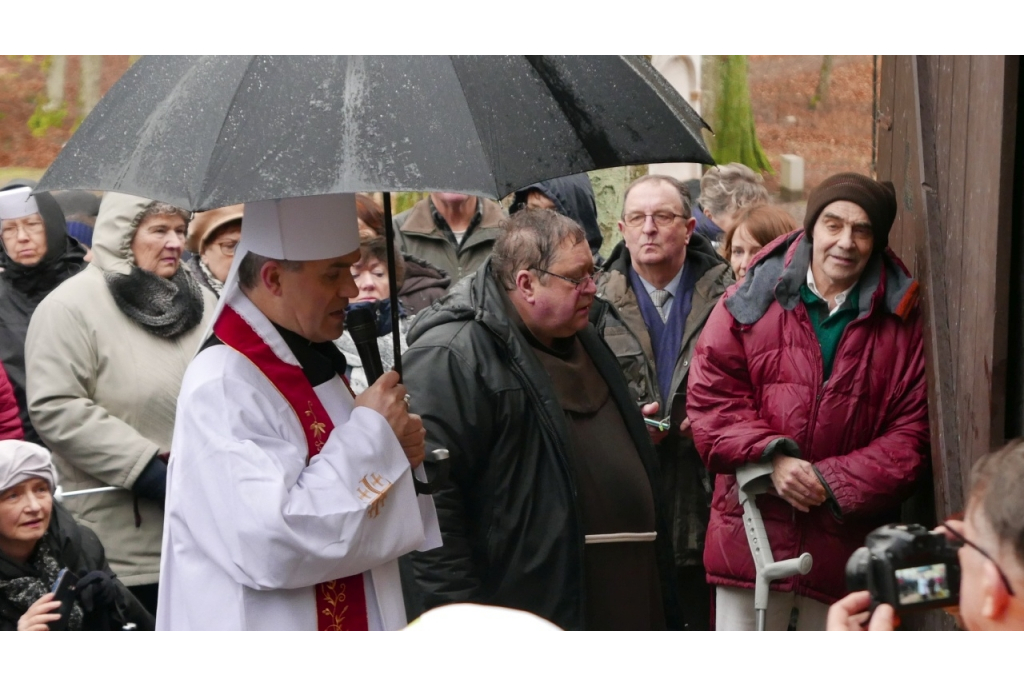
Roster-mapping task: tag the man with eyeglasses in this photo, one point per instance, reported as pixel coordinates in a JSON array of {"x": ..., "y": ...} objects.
[
  {"x": 654, "y": 295},
  {"x": 552, "y": 505},
  {"x": 991, "y": 541}
]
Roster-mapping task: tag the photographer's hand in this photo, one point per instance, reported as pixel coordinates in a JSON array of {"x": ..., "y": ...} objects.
[
  {"x": 38, "y": 617},
  {"x": 795, "y": 481},
  {"x": 851, "y": 613}
]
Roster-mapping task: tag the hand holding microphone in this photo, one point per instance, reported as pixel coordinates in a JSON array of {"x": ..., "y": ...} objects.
[{"x": 387, "y": 396}]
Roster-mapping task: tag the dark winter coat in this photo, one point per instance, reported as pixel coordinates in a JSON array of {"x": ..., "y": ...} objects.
[
  {"x": 573, "y": 197},
  {"x": 421, "y": 237},
  {"x": 76, "y": 548},
  {"x": 509, "y": 518},
  {"x": 22, "y": 288},
  {"x": 424, "y": 284},
  {"x": 686, "y": 488},
  {"x": 756, "y": 377}
]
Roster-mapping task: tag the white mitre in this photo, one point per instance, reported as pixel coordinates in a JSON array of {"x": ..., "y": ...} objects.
[
  {"x": 18, "y": 202},
  {"x": 302, "y": 228},
  {"x": 295, "y": 228}
]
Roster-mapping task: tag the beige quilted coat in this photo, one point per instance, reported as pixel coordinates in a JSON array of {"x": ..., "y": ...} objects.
[{"x": 102, "y": 393}]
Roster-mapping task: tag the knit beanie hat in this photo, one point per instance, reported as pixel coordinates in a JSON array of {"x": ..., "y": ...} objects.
[{"x": 878, "y": 200}]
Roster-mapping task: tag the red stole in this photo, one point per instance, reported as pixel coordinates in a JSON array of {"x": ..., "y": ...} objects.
[{"x": 340, "y": 604}]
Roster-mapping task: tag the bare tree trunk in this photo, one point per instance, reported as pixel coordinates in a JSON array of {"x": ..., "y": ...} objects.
[
  {"x": 824, "y": 77},
  {"x": 55, "y": 83},
  {"x": 736, "y": 138},
  {"x": 92, "y": 69}
]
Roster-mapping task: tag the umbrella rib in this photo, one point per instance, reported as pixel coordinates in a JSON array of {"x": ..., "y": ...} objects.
[
  {"x": 633, "y": 65},
  {"x": 562, "y": 109},
  {"x": 220, "y": 131},
  {"x": 469, "y": 109}
]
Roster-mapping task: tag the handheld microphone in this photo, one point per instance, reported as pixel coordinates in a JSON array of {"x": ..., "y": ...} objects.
[{"x": 362, "y": 326}]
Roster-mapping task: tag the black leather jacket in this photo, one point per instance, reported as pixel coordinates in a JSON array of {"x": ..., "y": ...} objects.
[{"x": 509, "y": 517}]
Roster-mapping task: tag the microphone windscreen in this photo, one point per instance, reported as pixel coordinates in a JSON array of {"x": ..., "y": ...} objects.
[{"x": 361, "y": 325}]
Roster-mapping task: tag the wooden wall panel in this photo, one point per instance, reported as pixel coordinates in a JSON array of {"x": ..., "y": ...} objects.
[
  {"x": 951, "y": 204},
  {"x": 947, "y": 140},
  {"x": 950, "y": 152}
]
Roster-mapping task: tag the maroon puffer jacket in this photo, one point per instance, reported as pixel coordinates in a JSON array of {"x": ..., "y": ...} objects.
[
  {"x": 10, "y": 418},
  {"x": 756, "y": 376}
]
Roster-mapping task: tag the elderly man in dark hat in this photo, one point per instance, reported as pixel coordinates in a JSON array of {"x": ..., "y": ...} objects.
[{"x": 813, "y": 368}]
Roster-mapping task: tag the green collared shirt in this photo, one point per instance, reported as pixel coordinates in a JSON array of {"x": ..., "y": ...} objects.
[{"x": 829, "y": 329}]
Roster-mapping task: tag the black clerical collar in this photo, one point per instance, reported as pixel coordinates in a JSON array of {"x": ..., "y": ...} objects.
[{"x": 320, "y": 362}]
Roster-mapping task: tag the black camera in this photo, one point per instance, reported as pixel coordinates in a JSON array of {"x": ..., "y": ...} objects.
[{"x": 907, "y": 567}]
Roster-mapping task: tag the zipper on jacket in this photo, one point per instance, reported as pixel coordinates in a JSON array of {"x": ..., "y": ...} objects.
[
  {"x": 652, "y": 378},
  {"x": 822, "y": 385},
  {"x": 545, "y": 420}
]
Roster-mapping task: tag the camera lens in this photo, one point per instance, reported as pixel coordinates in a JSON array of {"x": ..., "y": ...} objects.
[{"x": 857, "y": 570}]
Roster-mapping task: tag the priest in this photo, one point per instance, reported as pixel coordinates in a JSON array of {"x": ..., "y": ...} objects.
[{"x": 289, "y": 500}]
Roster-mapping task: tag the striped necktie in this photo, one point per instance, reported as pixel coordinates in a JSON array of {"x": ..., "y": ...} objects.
[{"x": 659, "y": 298}]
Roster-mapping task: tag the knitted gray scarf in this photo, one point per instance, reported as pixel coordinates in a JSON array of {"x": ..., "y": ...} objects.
[
  {"x": 23, "y": 592},
  {"x": 166, "y": 307}
]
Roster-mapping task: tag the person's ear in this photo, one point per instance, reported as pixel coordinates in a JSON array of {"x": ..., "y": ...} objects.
[
  {"x": 691, "y": 224},
  {"x": 526, "y": 285},
  {"x": 270, "y": 277},
  {"x": 622, "y": 229},
  {"x": 996, "y": 598}
]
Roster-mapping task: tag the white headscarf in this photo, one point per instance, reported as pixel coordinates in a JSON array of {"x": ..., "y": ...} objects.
[
  {"x": 17, "y": 203},
  {"x": 20, "y": 461}
]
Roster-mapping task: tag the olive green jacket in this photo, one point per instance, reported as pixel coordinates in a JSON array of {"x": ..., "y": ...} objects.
[{"x": 419, "y": 236}]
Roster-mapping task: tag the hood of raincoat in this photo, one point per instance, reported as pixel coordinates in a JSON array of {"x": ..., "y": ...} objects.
[
  {"x": 115, "y": 228},
  {"x": 573, "y": 197}
]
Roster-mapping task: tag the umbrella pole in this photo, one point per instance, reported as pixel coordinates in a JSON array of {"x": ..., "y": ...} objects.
[{"x": 389, "y": 234}]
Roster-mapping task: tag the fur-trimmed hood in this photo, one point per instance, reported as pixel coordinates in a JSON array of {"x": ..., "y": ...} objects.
[{"x": 781, "y": 268}]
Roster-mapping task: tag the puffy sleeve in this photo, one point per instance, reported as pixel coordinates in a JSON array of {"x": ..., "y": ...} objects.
[
  {"x": 879, "y": 475},
  {"x": 60, "y": 366},
  {"x": 243, "y": 491},
  {"x": 720, "y": 402},
  {"x": 10, "y": 416}
]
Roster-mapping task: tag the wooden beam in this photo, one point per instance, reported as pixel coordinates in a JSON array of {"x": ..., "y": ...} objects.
[{"x": 942, "y": 413}]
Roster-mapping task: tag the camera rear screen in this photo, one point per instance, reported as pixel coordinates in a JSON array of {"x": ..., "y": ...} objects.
[{"x": 922, "y": 584}]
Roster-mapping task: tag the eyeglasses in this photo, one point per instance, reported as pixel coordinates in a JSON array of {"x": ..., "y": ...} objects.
[
  {"x": 30, "y": 227},
  {"x": 228, "y": 248},
  {"x": 661, "y": 219},
  {"x": 965, "y": 541},
  {"x": 578, "y": 283}
]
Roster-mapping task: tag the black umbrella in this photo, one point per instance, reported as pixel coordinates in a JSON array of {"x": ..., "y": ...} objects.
[{"x": 205, "y": 132}]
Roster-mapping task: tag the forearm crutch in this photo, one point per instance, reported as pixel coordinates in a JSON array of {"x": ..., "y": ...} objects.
[{"x": 753, "y": 480}]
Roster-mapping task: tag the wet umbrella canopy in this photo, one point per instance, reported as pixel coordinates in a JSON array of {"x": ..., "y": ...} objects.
[{"x": 206, "y": 132}]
